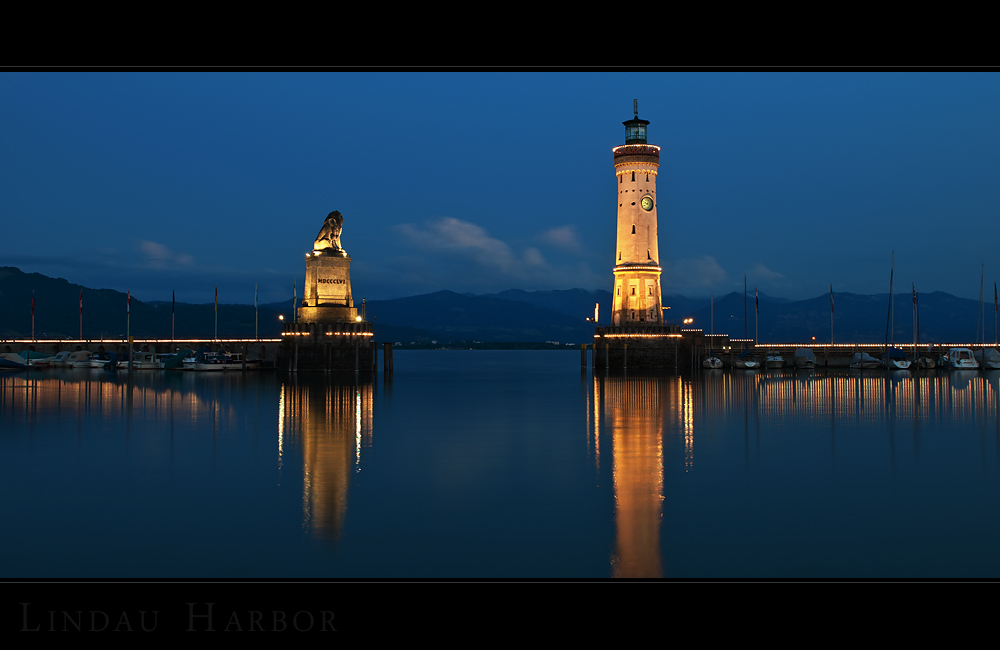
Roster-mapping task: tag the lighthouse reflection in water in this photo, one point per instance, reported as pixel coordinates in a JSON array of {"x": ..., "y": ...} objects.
[{"x": 483, "y": 464}]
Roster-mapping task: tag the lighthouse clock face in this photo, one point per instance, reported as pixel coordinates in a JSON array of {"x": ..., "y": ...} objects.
[{"x": 647, "y": 203}]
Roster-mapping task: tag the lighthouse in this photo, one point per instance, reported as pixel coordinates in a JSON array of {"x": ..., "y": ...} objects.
[{"x": 637, "y": 299}]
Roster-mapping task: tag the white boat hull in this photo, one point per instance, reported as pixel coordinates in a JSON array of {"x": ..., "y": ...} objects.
[
  {"x": 960, "y": 359},
  {"x": 897, "y": 364}
]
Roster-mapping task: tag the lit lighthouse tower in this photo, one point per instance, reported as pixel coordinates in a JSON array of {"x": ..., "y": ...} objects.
[{"x": 637, "y": 297}]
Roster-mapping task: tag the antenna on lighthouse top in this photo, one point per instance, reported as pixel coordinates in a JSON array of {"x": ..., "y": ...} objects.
[{"x": 635, "y": 107}]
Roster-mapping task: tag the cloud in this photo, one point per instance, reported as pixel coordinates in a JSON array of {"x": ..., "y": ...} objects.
[
  {"x": 159, "y": 256},
  {"x": 765, "y": 274},
  {"x": 565, "y": 237},
  {"x": 698, "y": 274},
  {"x": 456, "y": 254},
  {"x": 533, "y": 257},
  {"x": 471, "y": 241}
]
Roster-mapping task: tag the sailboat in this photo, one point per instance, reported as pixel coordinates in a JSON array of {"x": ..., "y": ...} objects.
[
  {"x": 746, "y": 361},
  {"x": 965, "y": 358},
  {"x": 893, "y": 358},
  {"x": 987, "y": 358},
  {"x": 712, "y": 361}
]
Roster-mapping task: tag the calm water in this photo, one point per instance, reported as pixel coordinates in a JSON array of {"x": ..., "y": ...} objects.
[{"x": 494, "y": 464}]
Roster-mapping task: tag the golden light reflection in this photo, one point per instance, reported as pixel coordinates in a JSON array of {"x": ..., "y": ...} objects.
[
  {"x": 331, "y": 422},
  {"x": 596, "y": 401},
  {"x": 281, "y": 427},
  {"x": 685, "y": 415},
  {"x": 634, "y": 411},
  {"x": 96, "y": 394},
  {"x": 643, "y": 414}
]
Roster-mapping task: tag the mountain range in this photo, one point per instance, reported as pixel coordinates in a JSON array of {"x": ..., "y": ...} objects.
[{"x": 506, "y": 317}]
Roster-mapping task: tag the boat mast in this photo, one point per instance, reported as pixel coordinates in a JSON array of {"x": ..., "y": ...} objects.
[
  {"x": 892, "y": 309},
  {"x": 888, "y": 317},
  {"x": 980, "y": 316},
  {"x": 756, "y": 315}
]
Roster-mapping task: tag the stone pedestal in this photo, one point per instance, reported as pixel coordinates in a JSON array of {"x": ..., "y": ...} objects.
[{"x": 327, "y": 291}]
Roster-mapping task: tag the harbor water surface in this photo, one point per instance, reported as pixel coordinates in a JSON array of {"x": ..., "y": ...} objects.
[{"x": 500, "y": 464}]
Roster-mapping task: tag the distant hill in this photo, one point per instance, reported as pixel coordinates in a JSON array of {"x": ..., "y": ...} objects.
[
  {"x": 509, "y": 316},
  {"x": 944, "y": 318},
  {"x": 452, "y": 316},
  {"x": 57, "y": 312},
  {"x": 576, "y": 303}
]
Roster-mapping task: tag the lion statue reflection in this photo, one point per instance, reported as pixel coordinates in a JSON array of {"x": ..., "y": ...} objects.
[{"x": 328, "y": 240}]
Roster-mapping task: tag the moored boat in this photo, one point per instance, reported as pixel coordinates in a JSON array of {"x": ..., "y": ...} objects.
[
  {"x": 80, "y": 359},
  {"x": 234, "y": 361},
  {"x": 895, "y": 359},
  {"x": 11, "y": 361},
  {"x": 711, "y": 362},
  {"x": 805, "y": 359},
  {"x": 774, "y": 360},
  {"x": 960, "y": 358},
  {"x": 988, "y": 358},
  {"x": 60, "y": 360},
  {"x": 177, "y": 361},
  {"x": 140, "y": 361},
  {"x": 102, "y": 359},
  {"x": 746, "y": 361},
  {"x": 36, "y": 359},
  {"x": 211, "y": 361},
  {"x": 863, "y": 360}
]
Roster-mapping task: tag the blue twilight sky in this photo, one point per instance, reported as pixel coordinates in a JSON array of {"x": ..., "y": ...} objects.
[{"x": 481, "y": 181}]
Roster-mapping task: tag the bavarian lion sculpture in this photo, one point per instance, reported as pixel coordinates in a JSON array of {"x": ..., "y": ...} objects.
[{"x": 328, "y": 240}]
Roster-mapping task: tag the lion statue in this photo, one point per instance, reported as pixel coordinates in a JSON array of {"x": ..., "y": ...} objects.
[{"x": 328, "y": 239}]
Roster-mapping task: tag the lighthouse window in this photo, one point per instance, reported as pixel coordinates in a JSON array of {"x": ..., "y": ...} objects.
[
  {"x": 647, "y": 177},
  {"x": 651, "y": 291},
  {"x": 633, "y": 228},
  {"x": 620, "y": 179},
  {"x": 648, "y": 256},
  {"x": 633, "y": 291},
  {"x": 633, "y": 177},
  {"x": 619, "y": 256}
]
